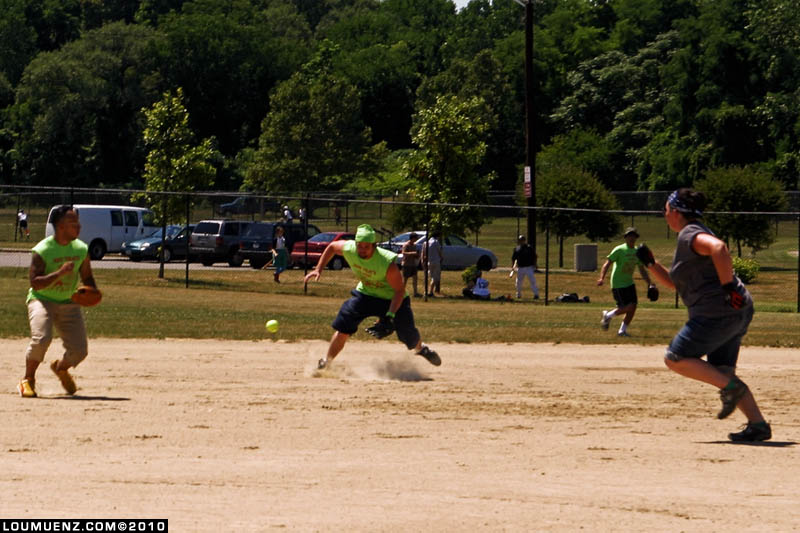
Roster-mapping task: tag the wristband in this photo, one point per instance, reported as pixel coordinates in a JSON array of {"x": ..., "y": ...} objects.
[{"x": 389, "y": 314}]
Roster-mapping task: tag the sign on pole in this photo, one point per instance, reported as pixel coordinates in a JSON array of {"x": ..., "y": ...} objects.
[{"x": 527, "y": 182}]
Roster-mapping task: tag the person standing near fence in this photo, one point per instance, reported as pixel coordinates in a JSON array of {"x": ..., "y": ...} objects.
[
  {"x": 432, "y": 256},
  {"x": 280, "y": 257},
  {"x": 22, "y": 224},
  {"x": 720, "y": 310},
  {"x": 58, "y": 262},
  {"x": 523, "y": 262},
  {"x": 410, "y": 262},
  {"x": 624, "y": 259}
]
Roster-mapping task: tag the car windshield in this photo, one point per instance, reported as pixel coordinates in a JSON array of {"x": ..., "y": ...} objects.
[
  {"x": 211, "y": 228},
  {"x": 259, "y": 231},
  {"x": 452, "y": 240},
  {"x": 322, "y": 237}
]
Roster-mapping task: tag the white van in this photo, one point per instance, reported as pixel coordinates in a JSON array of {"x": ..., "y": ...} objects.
[{"x": 105, "y": 227}]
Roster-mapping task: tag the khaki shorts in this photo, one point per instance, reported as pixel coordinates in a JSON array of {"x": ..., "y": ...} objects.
[
  {"x": 68, "y": 322},
  {"x": 435, "y": 272}
]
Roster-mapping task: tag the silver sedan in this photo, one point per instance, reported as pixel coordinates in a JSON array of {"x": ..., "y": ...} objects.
[{"x": 458, "y": 253}]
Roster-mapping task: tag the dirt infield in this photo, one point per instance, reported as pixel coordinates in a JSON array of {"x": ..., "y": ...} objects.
[{"x": 243, "y": 436}]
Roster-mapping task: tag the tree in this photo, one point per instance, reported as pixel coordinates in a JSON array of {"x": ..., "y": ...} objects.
[
  {"x": 17, "y": 40},
  {"x": 564, "y": 185},
  {"x": 482, "y": 76},
  {"x": 742, "y": 189},
  {"x": 314, "y": 137},
  {"x": 77, "y": 111},
  {"x": 450, "y": 136},
  {"x": 228, "y": 56},
  {"x": 174, "y": 163}
]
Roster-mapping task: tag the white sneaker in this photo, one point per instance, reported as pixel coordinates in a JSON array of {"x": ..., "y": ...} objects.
[{"x": 606, "y": 320}]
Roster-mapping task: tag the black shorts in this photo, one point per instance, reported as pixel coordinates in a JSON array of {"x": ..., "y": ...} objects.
[
  {"x": 625, "y": 296},
  {"x": 361, "y": 306},
  {"x": 410, "y": 271},
  {"x": 23, "y": 224}
]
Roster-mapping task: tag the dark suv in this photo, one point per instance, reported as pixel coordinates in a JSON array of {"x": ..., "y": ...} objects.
[
  {"x": 214, "y": 241},
  {"x": 257, "y": 242}
]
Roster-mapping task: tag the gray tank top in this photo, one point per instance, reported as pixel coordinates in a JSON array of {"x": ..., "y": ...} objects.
[{"x": 696, "y": 279}]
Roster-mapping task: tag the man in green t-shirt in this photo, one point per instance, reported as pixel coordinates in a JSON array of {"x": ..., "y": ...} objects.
[
  {"x": 380, "y": 292},
  {"x": 624, "y": 259},
  {"x": 57, "y": 264}
]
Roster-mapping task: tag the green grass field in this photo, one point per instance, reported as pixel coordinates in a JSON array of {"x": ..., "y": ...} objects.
[{"x": 235, "y": 303}]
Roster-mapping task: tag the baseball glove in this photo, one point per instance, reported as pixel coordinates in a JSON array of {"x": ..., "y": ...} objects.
[
  {"x": 87, "y": 296},
  {"x": 652, "y": 293},
  {"x": 645, "y": 255},
  {"x": 382, "y": 328}
]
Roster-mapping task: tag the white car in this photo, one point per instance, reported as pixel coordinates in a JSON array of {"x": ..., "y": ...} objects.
[{"x": 458, "y": 253}]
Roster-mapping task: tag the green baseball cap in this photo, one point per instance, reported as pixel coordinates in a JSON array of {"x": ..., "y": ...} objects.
[{"x": 365, "y": 233}]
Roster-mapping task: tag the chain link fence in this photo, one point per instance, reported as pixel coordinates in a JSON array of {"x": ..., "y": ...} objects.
[{"x": 392, "y": 215}]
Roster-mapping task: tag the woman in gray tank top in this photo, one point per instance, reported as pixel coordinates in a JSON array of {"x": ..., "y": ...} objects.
[{"x": 720, "y": 310}]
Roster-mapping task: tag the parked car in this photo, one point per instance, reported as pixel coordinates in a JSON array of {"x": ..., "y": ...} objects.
[
  {"x": 214, "y": 241},
  {"x": 316, "y": 245},
  {"x": 458, "y": 253},
  {"x": 247, "y": 205},
  {"x": 257, "y": 242},
  {"x": 175, "y": 244}
]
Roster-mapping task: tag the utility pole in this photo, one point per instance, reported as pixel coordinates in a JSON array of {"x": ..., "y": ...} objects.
[{"x": 530, "y": 148}]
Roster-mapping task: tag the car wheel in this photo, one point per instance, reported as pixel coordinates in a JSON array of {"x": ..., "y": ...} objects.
[
  {"x": 136, "y": 259},
  {"x": 207, "y": 262},
  {"x": 257, "y": 264},
  {"x": 337, "y": 263},
  {"x": 97, "y": 249},
  {"x": 167, "y": 255},
  {"x": 235, "y": 260},
  {"x": 484, "y": 263}
]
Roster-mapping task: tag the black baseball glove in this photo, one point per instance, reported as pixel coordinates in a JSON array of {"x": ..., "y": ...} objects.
[
  {"x": 645, "y": 255},
  {"x": 652, "y": 293},
  {"x": 382, "y": 328},
  {"x": 732, "y": 296}
]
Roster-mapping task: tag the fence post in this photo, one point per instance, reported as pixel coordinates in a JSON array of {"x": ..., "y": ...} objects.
[
  {"x": 425, "y": 248},
  {"x": 16, "y": 217},
  {"x": 546, "y": 261},
  {"x": 188, "y": 238}
]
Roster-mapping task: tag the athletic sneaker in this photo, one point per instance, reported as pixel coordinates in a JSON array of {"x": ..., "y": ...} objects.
[
  {"x": 623, "y": 334},
  {"x": 26, "y": 389},
  {"x": 322, "y": 364},
  {"x": 606, "y": 320},
  {"x": 753, "y": 432},
  {"x": 63, "y": 376},
  {"x": 731, "y": 395},
  {"x": 430, "y": 355}
]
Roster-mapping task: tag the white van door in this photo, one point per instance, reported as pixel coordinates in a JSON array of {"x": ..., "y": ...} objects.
[
  {"x": 117, "y": 230},
  {"x": 134, "y": 230}
]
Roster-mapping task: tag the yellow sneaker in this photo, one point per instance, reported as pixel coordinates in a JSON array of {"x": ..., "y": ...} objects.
[
  {"x": 26, "y": 389},
  {"x": 63, "y": 376}
]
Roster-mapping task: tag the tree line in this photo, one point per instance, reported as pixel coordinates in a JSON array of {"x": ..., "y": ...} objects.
[{"x": 408, "y": 95}]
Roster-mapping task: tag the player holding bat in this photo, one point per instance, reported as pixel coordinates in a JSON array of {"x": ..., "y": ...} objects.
[
  {"x": 54, "y": 300},
  {"x": 720, "y": 310},
  {"x": 380, "y": 293}
]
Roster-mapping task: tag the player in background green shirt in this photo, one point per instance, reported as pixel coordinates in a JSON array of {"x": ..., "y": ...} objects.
[{"x": 624, "y": 259}]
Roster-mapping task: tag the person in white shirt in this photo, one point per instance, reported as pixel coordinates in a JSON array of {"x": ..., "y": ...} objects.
[{"x": 433, "y": 255}]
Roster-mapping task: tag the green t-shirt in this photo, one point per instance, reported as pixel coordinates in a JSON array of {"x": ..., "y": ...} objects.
[
  {"x": 371, "y": 272},
  {"x": 625, "y": 262},
  {"x": 54, "y": 255}
]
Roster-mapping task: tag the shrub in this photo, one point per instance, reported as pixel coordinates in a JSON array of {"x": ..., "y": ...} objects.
[
  {"x": 470, "y": 274},
  {"x": 745, "y": 269}
]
